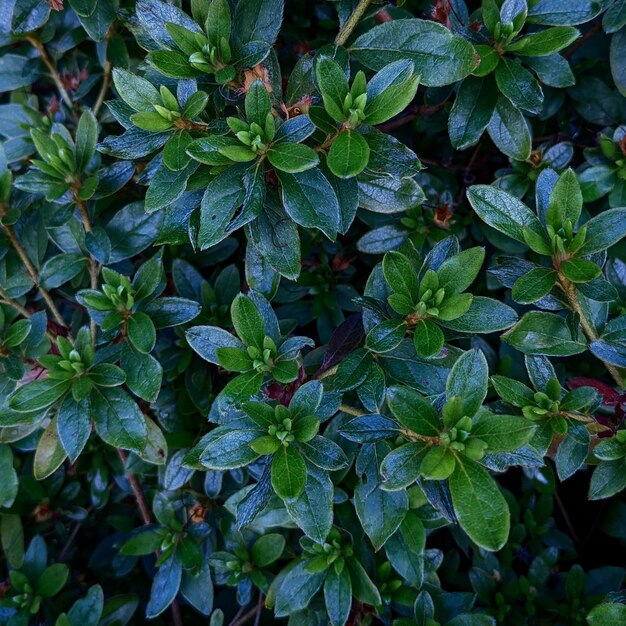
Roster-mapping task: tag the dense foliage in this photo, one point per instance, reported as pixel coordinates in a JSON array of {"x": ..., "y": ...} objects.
[{"x": 312, "y": 312}]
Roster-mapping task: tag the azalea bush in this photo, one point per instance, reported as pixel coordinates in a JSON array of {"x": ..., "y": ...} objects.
[{"x": 313, "y": 313}]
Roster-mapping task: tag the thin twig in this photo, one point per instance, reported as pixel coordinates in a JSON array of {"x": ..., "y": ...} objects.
[
  {"x": 572, "y": 297},
  {"x": 106, "y": 81},
  {"x": 241, "y": 620},
  {"x": 23, "y": 311},
  {"x": 34, "y": 276},
  {"x": 351, "y": 23},
  {"x": 146, "y": 516},
  {"x": 54, "y": 73},
  {"x": 566, "y": 518},
  {"x": 583, "y": 40},
  {"x": 259, "y": 609},
  {"x": 94, "y": 268},
  {"x": 140, "y": 497}
]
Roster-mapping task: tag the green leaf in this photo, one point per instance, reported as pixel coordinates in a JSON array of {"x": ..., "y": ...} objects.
[
  {"x": 401, "y": 467},
  {"x": 333, "y": 86},
  {"x": 292, "y": 157},
  {"x": 74, "y": 426},
  {"x": 390, "y": 91},
  {"x": 257, "y": 103},
  {"x": 438, "y": 463},
  {"x": 580, "y": 270},
  {"x": 386, "y": 336},
  {"x": 504, "y": 212},
  {"x": 607, "y": 615},
  {"x": 400, "y": 275},
  {"x": 310, "y": 201},
  {"x": 479, "y": 505},
  {"x": 52, "y": 580},
  {"x": 137, "y": 92},
  {"x": 534, "y": 285},
  {"x": 545, "y": 41},
  {"x": 509, "y": 130},
  {"x": 10, "y": 482},
  {"x": 107, "y": 375},
  {"x": 175, "y": 156},
  {"x": 248, "y": 321},
  {"x": 471, "y": 111},
  {"x": 458, "y": 272},
  {"x": 38, "y": 395},
  {"x": 217, "y": 23},
  {"x": 349, "y": 154},
  {"x": 607, "y": 479},
  {"x": 566, "y": 201},
  {"x": 173, "y": 64},
  {"x": 338, "y": 595},
  {"x": 502, "y": 433},
  {"x": 413, "y": 411},
  {"x": 440, "y": 58},
  {"x": 427, "y": 337},
  {"x": 267, "y": 549},
  {"x": 604, "y": 230},
  {"x": 118, "y": 420},
  {"x": 150, "y": 121},
  {"x": 228, "y": 447},
  {"x": 539, "y": 333},
  {"x": 141, "y": 332},
  {"x": 49, "y": 454},
  {"x": 468, "y": 380},
  {"x": 222, "y": 197},
  {"x": 288, "y": 472},
  {"x": 518, "y": 85},
  {"x": 86, "y": 139}
]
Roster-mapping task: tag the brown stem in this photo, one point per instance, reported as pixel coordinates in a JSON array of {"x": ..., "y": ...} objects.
[
  {"x": 351, "y": 23},
  {"x": 54, "y": 73},
  {"x": 94, "y": 269},
  {"x": 583, "y": 40},
  {"x": 106, "y": 81},
  {"x": 572, "y": 298},
  {"x": 140, "y": 497},
  {"x": 23, "y": 311},
  {"x": 146, "y": 516},
  {"x": 34, "y": 276},
  {"x": 240, "y": 620}
]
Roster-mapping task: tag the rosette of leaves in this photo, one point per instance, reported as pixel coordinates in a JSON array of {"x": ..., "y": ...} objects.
[
  {"x": 430, "y": 295},
  {"x": 346, "y": 108},
  {"x": 606, "y": 171},
  {"x": 332, "y": 566},
  {"x": 34, "y": 585},
  {"x": 64, "y": 163},
  {"x": 574, "y": 253},
  {"x": 244, "y": 562},
  {"x": 181, "y": 563},
  {"x": 563, "y": 417},
  {"x": 502, "y": 89},
  {"x": 214, "y": 42},
  {"x": 259, "y": 351},
  {"x": 286, "y": 436},
  {"x": 78, "y": 387},
  {"x": 130, "y": 312},
  {"x": 453, "y": 444}
]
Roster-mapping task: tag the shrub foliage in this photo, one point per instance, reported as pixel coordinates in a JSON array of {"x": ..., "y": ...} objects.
[{"x": 308, "y": 310}]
